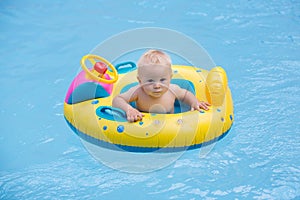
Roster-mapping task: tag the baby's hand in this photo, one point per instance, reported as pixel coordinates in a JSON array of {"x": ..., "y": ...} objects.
[
  {"x": 134, "y": 115},
  {"x": 200, "y": 105}
]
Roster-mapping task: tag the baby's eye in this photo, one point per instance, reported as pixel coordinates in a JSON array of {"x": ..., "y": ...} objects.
[
  {"x": 163, "y": 79},
  {"x": 150, "y": 81}
]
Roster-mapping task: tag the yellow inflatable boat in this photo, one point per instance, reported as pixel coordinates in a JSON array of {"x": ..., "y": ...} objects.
[{"x": 88, "y": 109}]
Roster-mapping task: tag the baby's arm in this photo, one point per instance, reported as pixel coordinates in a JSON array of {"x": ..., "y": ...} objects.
[
  {"x": 122, "y": 101},
  {"x": 190, "y": 99}
]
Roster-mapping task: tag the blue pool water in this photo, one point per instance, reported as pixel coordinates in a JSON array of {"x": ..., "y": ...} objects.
[{"x": 258, "y": 44}]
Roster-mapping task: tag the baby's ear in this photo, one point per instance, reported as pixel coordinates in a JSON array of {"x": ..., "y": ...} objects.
[
  {"x": 138, "y": 79},
  {"x": 171, "y": 73}
]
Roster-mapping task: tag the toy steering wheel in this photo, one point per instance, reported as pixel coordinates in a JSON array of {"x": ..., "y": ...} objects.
[{"x": 94, "y": 74}]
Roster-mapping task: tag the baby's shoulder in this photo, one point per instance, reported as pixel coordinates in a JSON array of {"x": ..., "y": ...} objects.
[
  {"x": 134, "y": 89},
  {"x": 175, "y": 88},
  {"x": 131, "y": 92}
]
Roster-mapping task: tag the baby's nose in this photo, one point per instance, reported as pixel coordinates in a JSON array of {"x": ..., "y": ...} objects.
[{"x": 156, "y": 85}]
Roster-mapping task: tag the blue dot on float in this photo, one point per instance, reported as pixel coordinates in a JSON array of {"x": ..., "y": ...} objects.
[
  {"x": 104, "y": 127},
  {"x": 120, "y": 128},
  {"x": 95, "y": 101},
  {"x": 141, "y": 123},
  {"x": 231, "y": 117}
]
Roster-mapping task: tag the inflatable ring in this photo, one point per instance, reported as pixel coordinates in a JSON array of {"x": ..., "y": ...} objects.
[
  {"x": 88, "y": 111},
  {"x": 93, "y": 74}
]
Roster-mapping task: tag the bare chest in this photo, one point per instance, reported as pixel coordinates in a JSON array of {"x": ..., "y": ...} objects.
[{"x": 163, "y": 104}]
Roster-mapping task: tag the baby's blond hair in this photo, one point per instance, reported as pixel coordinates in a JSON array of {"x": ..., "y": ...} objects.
[{"x": 154, "y": 57}]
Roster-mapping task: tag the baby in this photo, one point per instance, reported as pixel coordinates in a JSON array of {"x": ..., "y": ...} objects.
[{"x": 154, "y": 93}]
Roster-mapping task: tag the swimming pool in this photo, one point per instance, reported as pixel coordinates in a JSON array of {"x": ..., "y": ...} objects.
[{"x": 257, "y": 43}]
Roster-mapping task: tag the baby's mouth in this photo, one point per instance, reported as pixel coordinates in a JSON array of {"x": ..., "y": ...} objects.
[{"x": 156, "y": 92}]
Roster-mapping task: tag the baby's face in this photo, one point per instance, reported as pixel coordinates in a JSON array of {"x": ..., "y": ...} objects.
[{"x": 155, "y": 80}]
